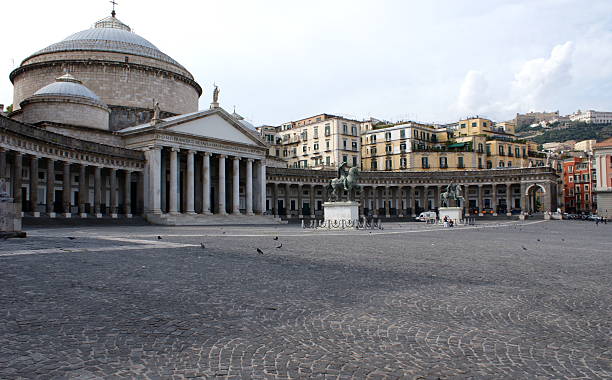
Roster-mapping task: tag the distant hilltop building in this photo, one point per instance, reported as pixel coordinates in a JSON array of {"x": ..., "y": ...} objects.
[
  {"x": 592, "y": 117},
  {"x": 534, "y": 117}
]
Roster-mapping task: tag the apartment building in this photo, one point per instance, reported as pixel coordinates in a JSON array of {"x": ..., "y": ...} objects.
[
  {"x": 317, "y": 142},
  {"x": 592, "y": 117},
  {"x": 579, "y": 179}
]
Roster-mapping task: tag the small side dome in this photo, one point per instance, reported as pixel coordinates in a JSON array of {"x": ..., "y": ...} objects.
[
  {"x": 67, "y": 85},
  {"x": 66, "y": 101}
]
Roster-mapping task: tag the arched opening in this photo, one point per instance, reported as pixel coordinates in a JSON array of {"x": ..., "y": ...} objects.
[{"x": 535, "y": 198}]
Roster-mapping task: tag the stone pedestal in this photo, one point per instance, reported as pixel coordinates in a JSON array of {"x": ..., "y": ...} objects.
[
  {"x": 454, "y": 213},
  {"x": 10, "y": 219},
  {"x": 340, "y": 211}
]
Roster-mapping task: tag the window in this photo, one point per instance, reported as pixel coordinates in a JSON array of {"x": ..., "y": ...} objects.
[
  {"x": 460, "y": 162},
  {"x": 501, "y": 164},
  {"x": 327, "y": 160},
  {"x": 304, "y": 135},
  {"x": 373, "y": 139},
  {"x": 403, "y": 162},
  {"x": 304, "y": 149},
  {"x": 586, "y": 187},
  {"x": 354, "y": 160},
  {"x": 389, "y": 164},
  {"x": 402, "y": 147},
  {"x": 443, "y": 162},
  {"x": 586, "y": 196},
  {"x": 344, "y": 144},
  {"x": 354, "y": 145},
  {"x": 517, "y": 151},
  {"x": 462, "y": 125},
  {"x": 345, "y": 159},
  {"x": 327, "y": 130},
  {"x": 316, "y": 146},
  {"x": 501, "y": 150},
  {"x": 509, "y": 164},
  {"x": 479, "y": 163},
  {"x": 353, "y": 130},
  {"x": 345, "y": 128},
  {"x": 373, "y": 151},
  {"x": 480, "y": 148},
  {"x": 389, "y": 148},
  {"x": 327, "y": 145},
  {"x": 424, "y": 162},
  {"x": 489, "y": 149},
  {"x": 374, "y": 165},
  {"x": 388, "y": 136},
  {"x": 489, "y": 165},
  {"x": 402, "y": 134},
  {"x": 315, "y": 132},
  {"x": 473, "y": 125},
  {"x": 285, "y": 153},
  {"x": 484, "y": 124}
]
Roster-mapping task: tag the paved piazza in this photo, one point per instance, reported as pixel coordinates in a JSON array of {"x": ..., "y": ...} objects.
[{"x": 514, "y": 300}]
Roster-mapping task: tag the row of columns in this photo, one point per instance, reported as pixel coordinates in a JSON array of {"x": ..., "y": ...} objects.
[
  {"x": 156, "y": 173},
  {"x": 391, "y": 197},
  {"x": 18, "y": 159}
]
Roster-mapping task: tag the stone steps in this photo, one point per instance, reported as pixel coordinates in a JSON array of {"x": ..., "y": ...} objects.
[{"x": 212, "y": 220}]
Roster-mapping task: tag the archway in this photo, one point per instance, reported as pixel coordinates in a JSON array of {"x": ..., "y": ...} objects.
[{"x": 534, "y": 196}]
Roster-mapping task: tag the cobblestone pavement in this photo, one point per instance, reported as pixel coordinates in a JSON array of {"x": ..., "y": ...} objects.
[{"x": 496, "y": 301}]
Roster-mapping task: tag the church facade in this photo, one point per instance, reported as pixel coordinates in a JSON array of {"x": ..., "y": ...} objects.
[{"x": 105, "y": 125}]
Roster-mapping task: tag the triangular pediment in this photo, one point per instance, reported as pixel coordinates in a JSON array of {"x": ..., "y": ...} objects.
[{"x": 216, "y": 124}]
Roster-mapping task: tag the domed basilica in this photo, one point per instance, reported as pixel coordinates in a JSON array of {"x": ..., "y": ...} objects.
[{"x": 105, "y": 125}]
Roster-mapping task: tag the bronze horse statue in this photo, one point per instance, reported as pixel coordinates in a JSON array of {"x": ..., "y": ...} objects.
[{"x": 346, "y": 181}]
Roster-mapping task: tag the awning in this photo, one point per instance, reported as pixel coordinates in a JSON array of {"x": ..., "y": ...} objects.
[{"x": 457, "y": 145}]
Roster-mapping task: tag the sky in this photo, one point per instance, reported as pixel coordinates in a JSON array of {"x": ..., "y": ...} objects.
[{"x": 430, "y": 61}]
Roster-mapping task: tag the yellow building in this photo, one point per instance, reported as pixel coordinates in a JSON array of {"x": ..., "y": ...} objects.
[{"x": 470, "y": 144}]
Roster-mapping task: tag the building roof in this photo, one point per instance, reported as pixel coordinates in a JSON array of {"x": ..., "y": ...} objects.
[
  {"x": 604, "y": 144},
  {"x": 67, "y": 85},
  {"x": 108, "y": 34}
]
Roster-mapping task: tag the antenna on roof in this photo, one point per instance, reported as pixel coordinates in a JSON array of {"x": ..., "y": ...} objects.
[{"x": 113, "y": 13}]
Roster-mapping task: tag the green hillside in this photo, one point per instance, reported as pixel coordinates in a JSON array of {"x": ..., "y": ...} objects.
[{"x": 577, "y": 131}]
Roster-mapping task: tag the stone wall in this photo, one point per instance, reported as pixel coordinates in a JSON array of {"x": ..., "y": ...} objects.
[
  {"x": 604, "y": 204},
  {"x": 102, "y": 137},
  {"x": 116, "y": 84},
  {"x": 123, "y": 117},
  {"x": 65, "y": 111}
]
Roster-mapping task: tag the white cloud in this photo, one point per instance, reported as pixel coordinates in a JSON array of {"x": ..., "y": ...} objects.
[
  {"x": 473, "y": 96},
  {"x": 540, "y": 78}
]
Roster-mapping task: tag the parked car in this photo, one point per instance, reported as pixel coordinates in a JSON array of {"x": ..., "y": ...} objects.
[
  {"x": 426, "y": 215},
  {"x": 487, "y": 210}
]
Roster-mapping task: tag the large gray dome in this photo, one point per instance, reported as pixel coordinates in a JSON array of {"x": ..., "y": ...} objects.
[
  {"x": 108, "y": 34},
  {"x": 67, "y": 85}
]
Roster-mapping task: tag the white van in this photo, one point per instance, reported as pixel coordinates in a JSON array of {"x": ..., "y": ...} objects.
[{"x": 426, "y": 215}]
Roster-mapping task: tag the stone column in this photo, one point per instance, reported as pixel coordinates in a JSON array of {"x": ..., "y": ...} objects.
[
  {"x": 437, "y": 192},
  {"x": 236, "y": 186},
  {"x": 423, "y": 197},
  {"x": 17, "y": 180},
  {"x": 375, "y": 201},
  {"x": 127, "y": 194},
  {"x": 312, "y": 201},
  {"x": 299, "y": 201},
  {"x": 97, "y": 191},
  {"x": 262, "y": 185},
  {"x": 508, "y": 199},
  {"x": 153, "y": 181},
  {"x": 399, "y": 208},
  {"x": 221, "y": 192},
  {"x": 249, "y": 187},
  {"x": 66, "y": 190},
  {"x": 2, "y": 163},
  {"x": 206, "y": 183},
  {"x": 387, "y": 190},
  {"x": 275, "y": 199},
  {"x": 113, "y": 193},
  {"x": 480, "y": 200},
  {"x": 34, "y": 186},
  {"x": 524, "y": 206},
  {"x": 174, "y": 196},
  {"x": 83, "y": 190},
  {"x": 409, "y": 201},
  {"x": 50, "y": 187},
  {"x": 287, "y": 201},
  {"x": 494, "y": 198},
  {"x": 189, "y": 181}
]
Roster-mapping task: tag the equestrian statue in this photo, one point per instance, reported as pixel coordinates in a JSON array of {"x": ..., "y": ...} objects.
[
  {"x": 346, "y": 181},
  {"x": 453, "y": 191}
]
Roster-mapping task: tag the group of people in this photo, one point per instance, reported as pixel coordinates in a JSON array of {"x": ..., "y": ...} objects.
[{"x": 448, "y": 222}]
